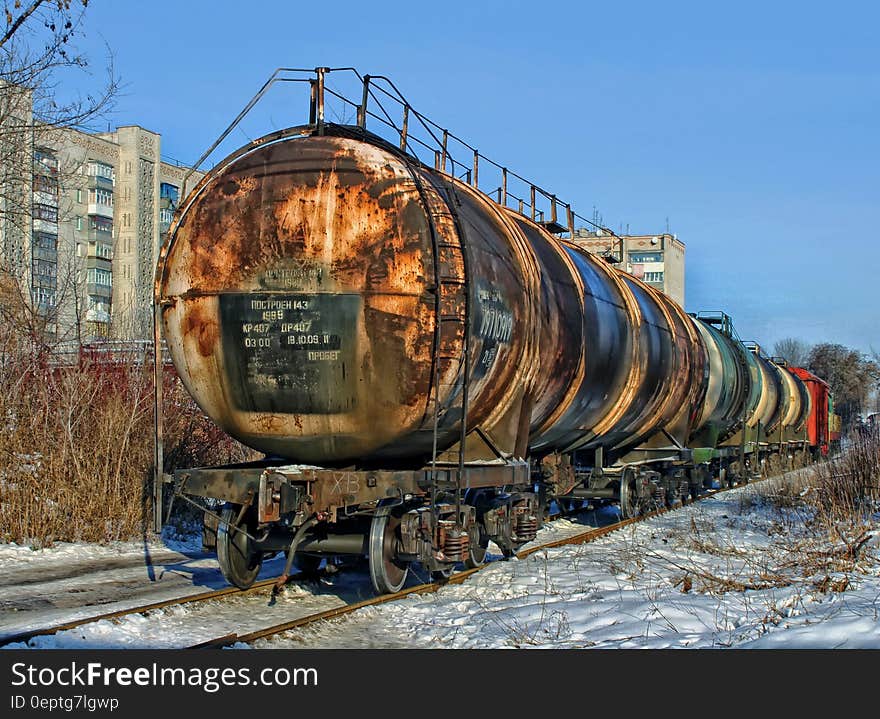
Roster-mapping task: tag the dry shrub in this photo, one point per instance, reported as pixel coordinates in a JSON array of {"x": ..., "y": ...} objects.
[
  {"x": 848, "y": 487},
  {"x": 826, "y": 513},
  {"x": 844, "y": 489},
  {"x": 76, "y": 447}
]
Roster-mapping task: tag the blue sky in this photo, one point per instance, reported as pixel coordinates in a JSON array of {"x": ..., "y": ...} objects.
[{"x": 752, "y": 127}]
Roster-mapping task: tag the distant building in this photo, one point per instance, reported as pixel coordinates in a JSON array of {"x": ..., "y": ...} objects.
[
  {"x": 84, "y": 237},
  {"x": 658, "y": 260}
]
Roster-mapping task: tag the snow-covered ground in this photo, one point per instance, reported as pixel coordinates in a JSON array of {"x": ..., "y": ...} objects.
[
  {"x": 68, "y": 581},
  {"x": 726, "y": 572},
  {"x": 730, "y": 571},
  {"x": 72, "y": 581}
]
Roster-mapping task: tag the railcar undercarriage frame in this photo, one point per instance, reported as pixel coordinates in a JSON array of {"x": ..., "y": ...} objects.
[{"x": 432, "y": 516}]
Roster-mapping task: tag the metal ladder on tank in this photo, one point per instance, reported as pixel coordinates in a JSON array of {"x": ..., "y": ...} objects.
[{"x": 453, "y": 321}]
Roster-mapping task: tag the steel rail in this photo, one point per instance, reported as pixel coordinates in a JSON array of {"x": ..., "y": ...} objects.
[{"x": 140, "y": 609}]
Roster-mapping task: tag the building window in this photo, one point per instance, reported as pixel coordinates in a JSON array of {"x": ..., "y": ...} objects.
[
  {"x": 45, "y": 241},
  {"x": 79, "y": 223},
  {"x": 99, "y": 196},
  {"x": 44, "y": 268},
  {"x": 47, "y": 159},
  {"x": 45, "y": 212},
  {"x": 104, "y": 250},
  {"x": 642, "y": 257},
  {"x": 653, "y": 277},
  {"x": 46, "y": 184},
  {"x": 98, "y": 329},
  {"x": 43, "y": 297},
  {"x": 169, "y": 191},
  {"x": 97, "y": 276},
  {"x": 100, "y": 169},
  {"x": 101, "y": 224},
  {"x": 79, "y": 196},
  {"x": 166, "y": 214}
]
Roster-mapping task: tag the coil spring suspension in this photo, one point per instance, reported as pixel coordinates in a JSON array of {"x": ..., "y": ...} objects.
[
  {"x": 454, "y": 543},
  {"x": 659, "y": 495},
  {"x": 525, "y": 524}
]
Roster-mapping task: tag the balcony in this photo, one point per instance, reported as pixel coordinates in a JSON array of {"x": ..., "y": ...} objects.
[
  {"x": 164, "y": 225},
  {"x": 98, "y": 316},
  {"x": 98, "y": 182},
  {"x": 40, "y": 253},
  {"x": 103, "y": 291},
  {"x": 98, "y": 208},
  {"x": 49, "y": 199},
  {"x": 105, "y": 236},
  {"x": 100, "y": 250},
  {"x": 47, "y": 226},
  {"x": 45, "y": 164},
  {"x": 44, "y": 282},
  {"x": 94, "y": 260}
]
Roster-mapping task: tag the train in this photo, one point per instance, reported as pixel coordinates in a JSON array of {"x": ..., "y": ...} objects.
[{"x": 426, "y": 369}]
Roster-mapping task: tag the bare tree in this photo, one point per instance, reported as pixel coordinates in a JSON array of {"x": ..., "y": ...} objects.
[
  {"x": 40, "y": 67},
  {"x": 874, "y": 399},
  {"x": 794, "y": 351},
  {"x": 852, "y": 377},
  {"x": 38, "y": 51}
]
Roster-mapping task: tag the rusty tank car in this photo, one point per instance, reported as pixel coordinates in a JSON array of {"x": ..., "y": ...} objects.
[{"x": 424, "y": 366}]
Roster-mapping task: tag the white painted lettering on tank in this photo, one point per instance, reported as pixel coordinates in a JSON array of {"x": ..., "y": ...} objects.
[{"x": 497, "y": 324}]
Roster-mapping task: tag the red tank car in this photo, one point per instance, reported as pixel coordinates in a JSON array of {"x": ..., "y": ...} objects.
[{"x": 818, "y": 424}]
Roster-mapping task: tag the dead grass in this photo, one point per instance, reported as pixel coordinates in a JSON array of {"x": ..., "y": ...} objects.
[
  {"x": 823, "y": 519},
  {"x": 76, "y": 445},
  {"x": 825, "y": 514}
]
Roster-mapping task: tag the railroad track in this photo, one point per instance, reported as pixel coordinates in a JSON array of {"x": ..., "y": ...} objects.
[
  {"x": 584, "y": 537},
  {"x": 140, "y": 609}
]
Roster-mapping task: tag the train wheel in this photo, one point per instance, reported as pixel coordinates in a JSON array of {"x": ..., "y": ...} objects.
[
  {"x": 477, "y": 545},
  {"x": 630, "y": 506},
  {"x": 239, "y": 561},
  {"x": 730, "y": 476},
  {"x": 387, "y": 573}
]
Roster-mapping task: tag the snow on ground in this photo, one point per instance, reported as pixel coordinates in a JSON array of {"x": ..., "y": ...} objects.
[
  {"x": 180, "y": 626},
  {"x": 730, "y": 571},
  {"x": 50, "y": 586},
  {"x": 42, "y": 587},
  {"x": 720, "y": 573}
]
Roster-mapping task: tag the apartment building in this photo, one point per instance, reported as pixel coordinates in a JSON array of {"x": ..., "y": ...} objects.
[
  {"x": 658, "y": 259},
  {"x": 82, "y": 218}
]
